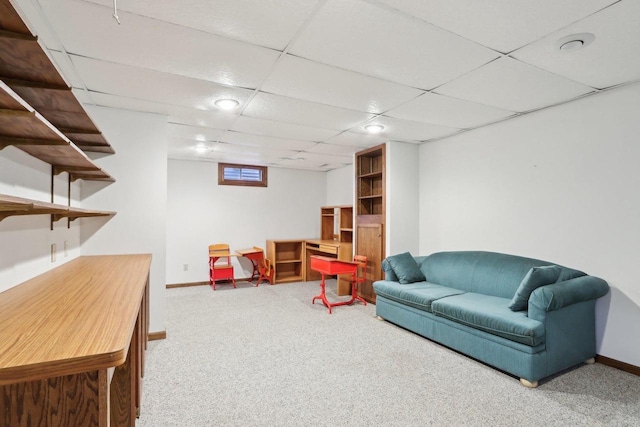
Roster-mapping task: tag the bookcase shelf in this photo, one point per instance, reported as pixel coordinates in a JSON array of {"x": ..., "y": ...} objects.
[
  {"x": 28, "y": 70},
  {"x": 11, "y": 206},
  {"x": 25, "y": 128},
  {"x": 288, "y": 259}
]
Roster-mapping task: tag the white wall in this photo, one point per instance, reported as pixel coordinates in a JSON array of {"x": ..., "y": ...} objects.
[
  {"x": 139, "y": 196},
  {"x": 200, "y": 213},
  {"x": 25, "y": 241},
  {"x": 340, "y": 186},
  {"x": 561, "y": 185},
  {"x": 402, "y": 194}
]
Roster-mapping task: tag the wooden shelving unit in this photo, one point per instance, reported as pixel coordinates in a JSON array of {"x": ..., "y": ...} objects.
[
  {"x": 370, "y": 213},
  {"x": 40, "y": 115},
  {"x": 25, "y": 128},
  {"x": 370, "y": 182},
  {"x": 288, "y": 260},
  {"x": 28, "y": 70},
  {"x": 10, "y": 206},
  {"x": 336, "y": 223}
]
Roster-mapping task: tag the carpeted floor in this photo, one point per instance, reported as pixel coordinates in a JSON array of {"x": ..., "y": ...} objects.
[{"x": 266, "y": 357}]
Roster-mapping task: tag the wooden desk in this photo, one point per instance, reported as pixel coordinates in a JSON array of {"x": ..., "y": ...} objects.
[
  {"x": 72, "y": 344},
  {"x": 332, "y": 249},
  {"x": 330, "y": 266}
]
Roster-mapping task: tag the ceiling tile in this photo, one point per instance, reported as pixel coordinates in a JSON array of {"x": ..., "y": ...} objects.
[
  {"x": 446, "y": 111},
  {"x": 357, "y": 139},
  {"x": 611, "y": 59},
  {"x": 205, "y": 118},
  {"x": 139, "y": 83},
  {"x": 86, "y": 30},
  {"x": 281, "y": 129},
  {"x": 266, "y": 23},
  {"x": 300, "y": 78},
  {"x": 319, "y": 159},
  {"x": 512, "y": 85},
  {"x": 334, "y": 149},
  {"x": 256, "y": 151},
  {"x": 408, "y": 130},
  {"x": 194, "y": 133},
  {"x": 177, "y": 114},
  {"x": 252, "y": 140},
  {"x": 116, "y": 101},
  {"x": 378, "y": 41},
  {"x": 503, "y": 25},
  {"x": 285, "y": 109}
]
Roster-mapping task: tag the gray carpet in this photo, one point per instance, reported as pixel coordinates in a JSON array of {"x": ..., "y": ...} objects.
[{"x": 266, "y": 357}]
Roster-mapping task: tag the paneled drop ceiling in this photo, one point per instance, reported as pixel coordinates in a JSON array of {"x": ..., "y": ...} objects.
[{"x": 310, "y": 74}]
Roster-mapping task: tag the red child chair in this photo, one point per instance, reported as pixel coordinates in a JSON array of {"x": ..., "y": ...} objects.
[
  {"x": 219, "y": 267},
  {"x": 361, "y": 260},
  {"x": 266, "y": 271}
]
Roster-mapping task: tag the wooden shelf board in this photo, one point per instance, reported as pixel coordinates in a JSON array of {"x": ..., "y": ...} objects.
[
  {"x": 370, "y": 174},
  {"x": 11, "y": 206},
  {"x": 288, "y": 261},
  {"x": 287, "y": 279},
  {"x": 28, "y": 70},
  {"x": 375, "y": 196},
  {"x": 20, "y": 122}
]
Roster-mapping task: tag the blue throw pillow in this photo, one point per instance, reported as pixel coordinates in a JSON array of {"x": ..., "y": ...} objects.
[
  {"x": 406, "y": 268},
  {"x": 536, "y": 277}
]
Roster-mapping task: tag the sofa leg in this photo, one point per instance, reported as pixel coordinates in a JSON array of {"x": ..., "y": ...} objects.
[
  {"x": 379, "y": 318},
  {"x": 590, "y": 361},
  {"x": 528, "y": 383}
]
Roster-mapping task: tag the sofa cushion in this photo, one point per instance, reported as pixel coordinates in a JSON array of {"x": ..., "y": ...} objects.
[
  {"x": 536, "y": 277},
  {"x": 488, "y": 273},
  {"x": 490, "y": 314},
  {"x": 406, "y": 268},
  {"x": 418, "y": 295}
]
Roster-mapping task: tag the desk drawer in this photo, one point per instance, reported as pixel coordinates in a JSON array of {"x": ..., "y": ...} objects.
[{"x": 330, "y": 249}]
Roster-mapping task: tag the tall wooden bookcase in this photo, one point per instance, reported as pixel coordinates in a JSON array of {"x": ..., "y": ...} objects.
[
  {"x": 336, "y": 223},
  {"x": 370, "y": 165}
]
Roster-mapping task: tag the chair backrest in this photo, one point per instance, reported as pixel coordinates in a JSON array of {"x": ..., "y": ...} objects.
[
  {"x": 265, "y": 266},
  {"x": 219, "y": 250},
  {"x": 361, "y": 260}
]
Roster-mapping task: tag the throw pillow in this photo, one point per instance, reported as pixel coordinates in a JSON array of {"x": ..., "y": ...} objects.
[
  {"x": 536, "y": 277},
  {"x": 406, "y": 268}
]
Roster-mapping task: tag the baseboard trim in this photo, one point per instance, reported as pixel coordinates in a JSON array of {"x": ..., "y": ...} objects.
[
  {"x": 160, "y": 335},
  {"x": 186, "y": 285},
  {"x": 627, "y": 367}
]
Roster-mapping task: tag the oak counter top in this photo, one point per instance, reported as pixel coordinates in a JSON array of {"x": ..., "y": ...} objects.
[{"x": 75, "y": 318}]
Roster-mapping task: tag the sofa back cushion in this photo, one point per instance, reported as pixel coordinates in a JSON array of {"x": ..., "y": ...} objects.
[{"x": 488, "y": 273}]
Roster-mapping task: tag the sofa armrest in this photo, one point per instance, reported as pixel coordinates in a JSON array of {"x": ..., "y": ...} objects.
[{"x": 554, "y": 297}]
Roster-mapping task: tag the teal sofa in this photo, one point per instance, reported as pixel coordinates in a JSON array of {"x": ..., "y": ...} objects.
[{"x": 462, "y": 300}]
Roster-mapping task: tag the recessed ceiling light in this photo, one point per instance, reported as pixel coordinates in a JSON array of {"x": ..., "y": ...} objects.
[
  {"x": 574, "y": 42},
  {"x": 201, "y": 148},
  {"x": 374, "y": 128},
  {"x": 227, "y": 103}
]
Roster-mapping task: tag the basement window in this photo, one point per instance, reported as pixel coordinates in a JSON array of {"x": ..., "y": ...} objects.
[{"x": 243, "y": 175}]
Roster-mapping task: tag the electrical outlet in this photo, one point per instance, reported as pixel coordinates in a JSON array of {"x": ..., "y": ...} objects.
[
  {"x": 185, "y": 267},
  {"x": 66, "y": 252},
  {"x": 53, "y": 252}
]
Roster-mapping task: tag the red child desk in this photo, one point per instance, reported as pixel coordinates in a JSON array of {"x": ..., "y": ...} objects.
[
  {"x": 332, "y": 266},
  {"x": 255, "y": 255}
]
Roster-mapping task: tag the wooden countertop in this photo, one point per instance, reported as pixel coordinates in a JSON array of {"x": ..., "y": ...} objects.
[{"x": 75, "y": 318}]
